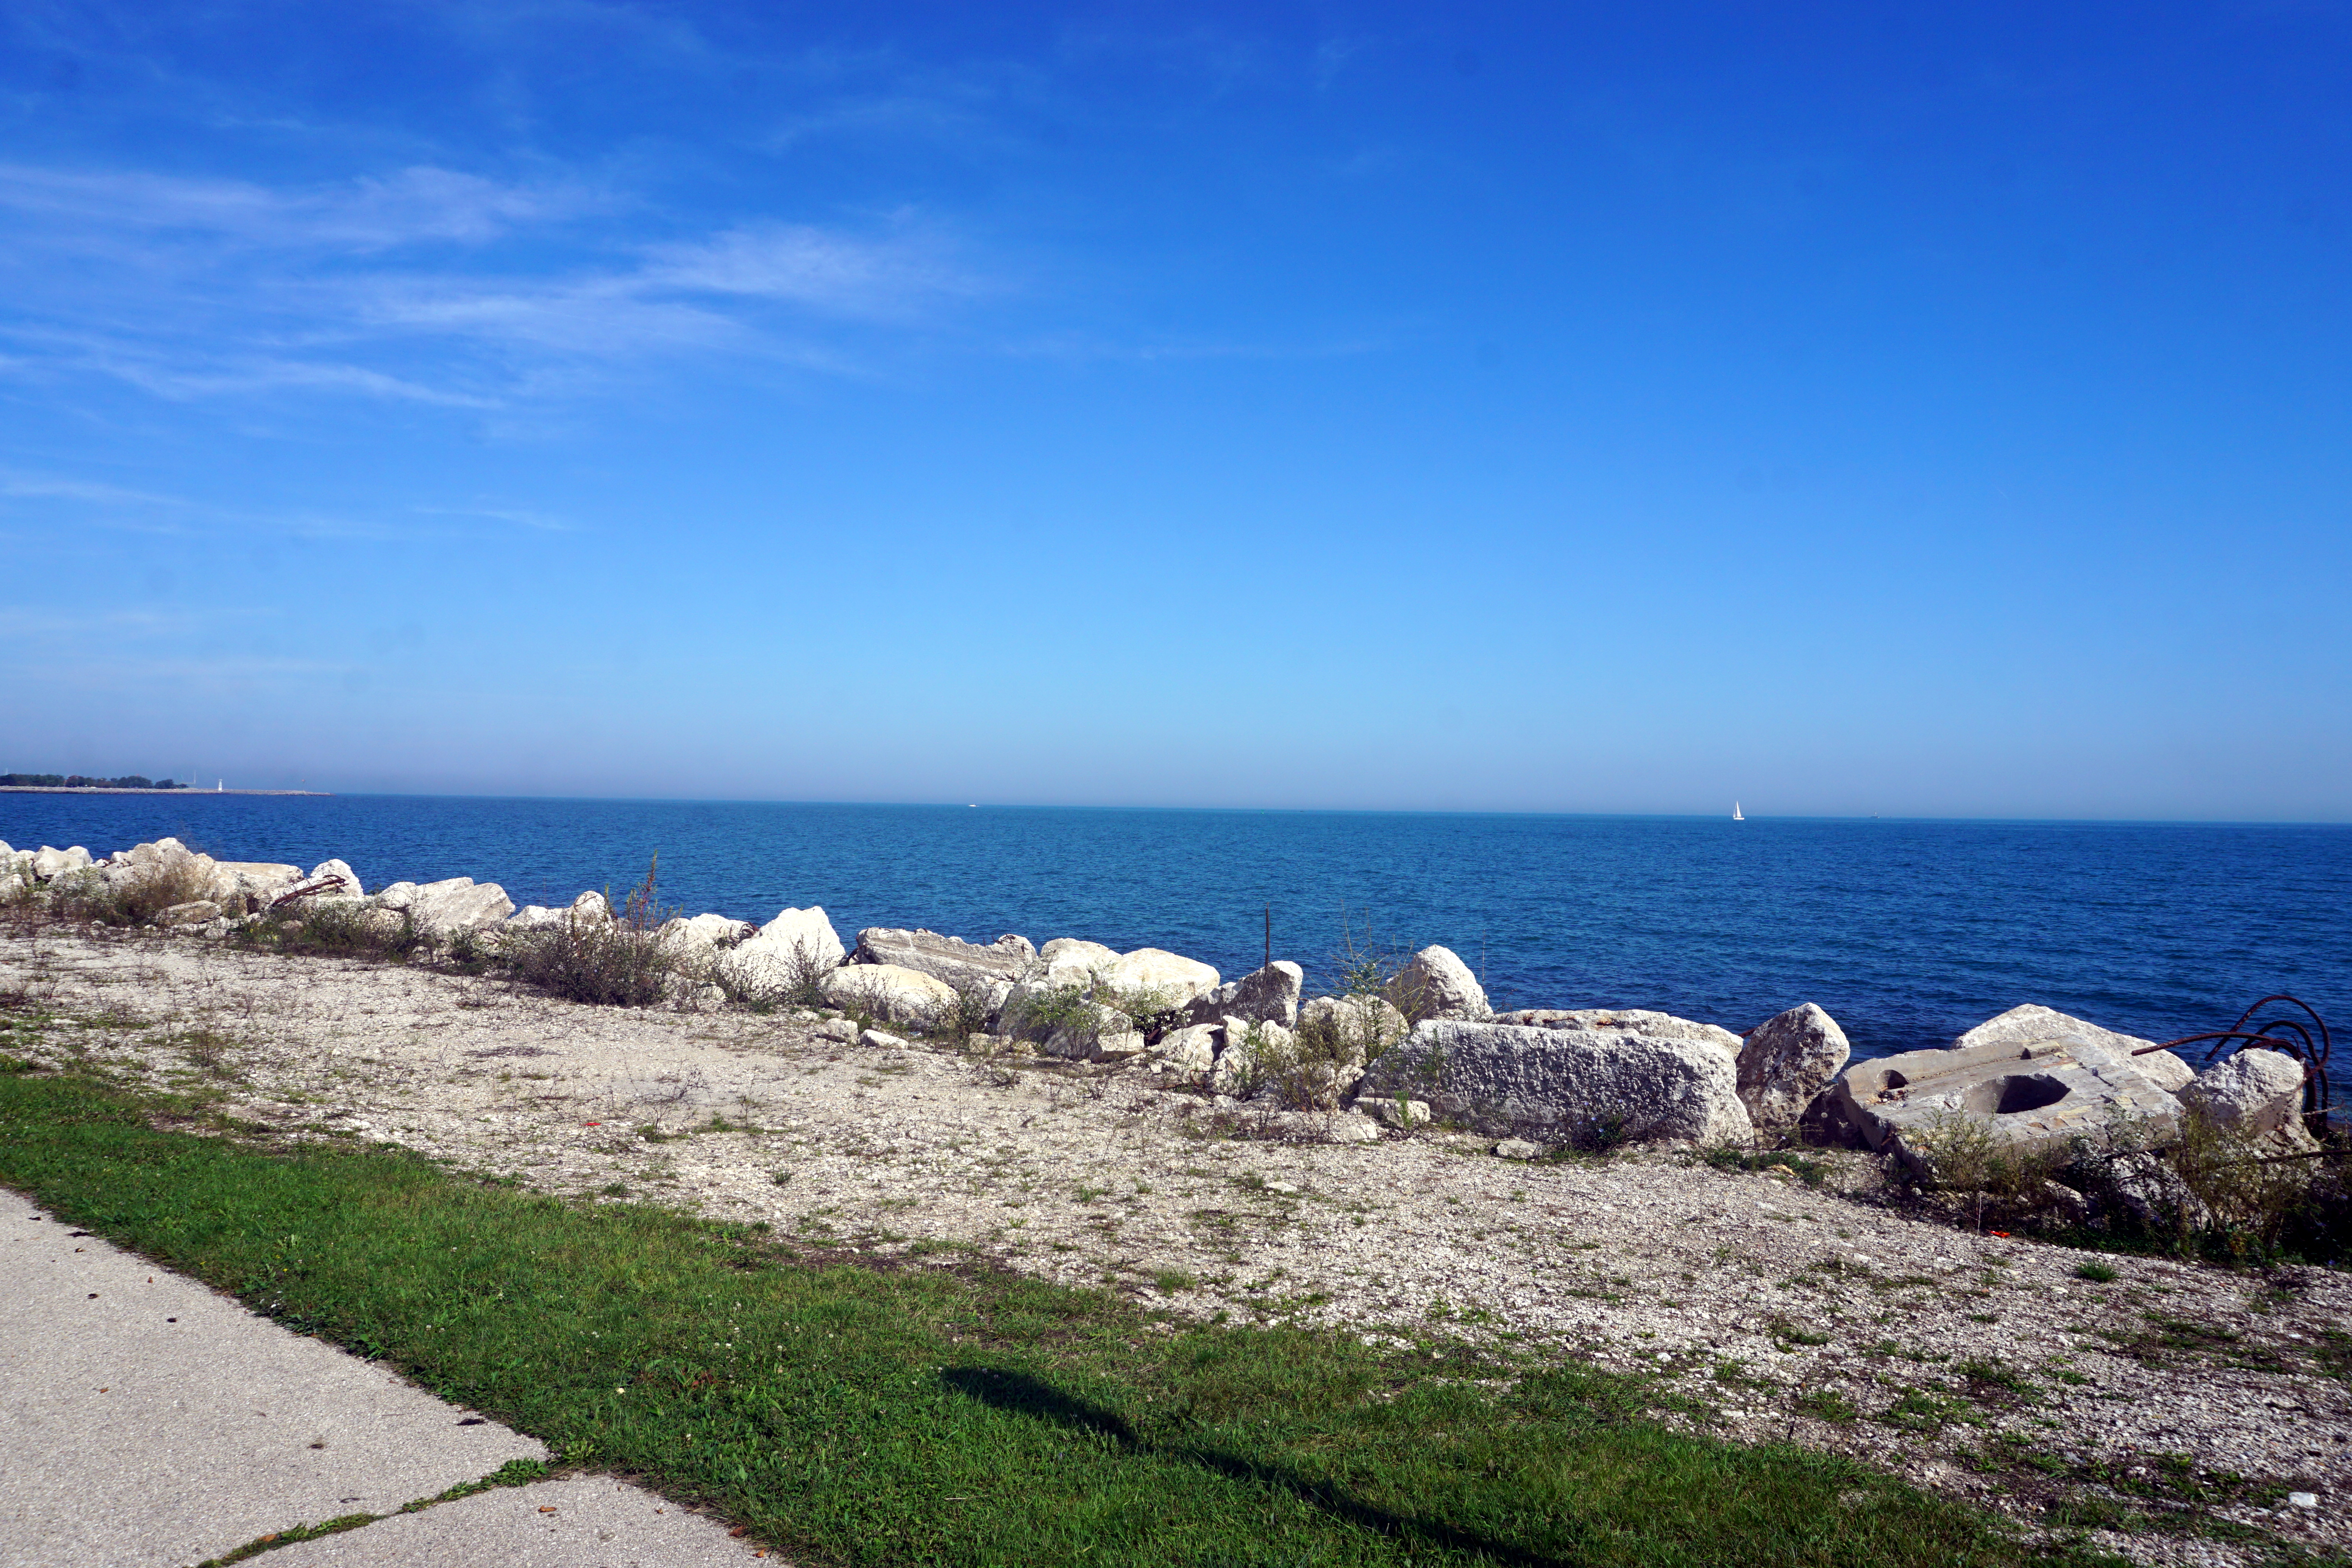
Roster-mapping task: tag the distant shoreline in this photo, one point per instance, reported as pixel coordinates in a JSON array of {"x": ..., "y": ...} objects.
[{"x": 108, "y": 789}]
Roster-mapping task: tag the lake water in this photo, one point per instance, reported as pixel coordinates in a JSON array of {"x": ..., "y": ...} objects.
[{"x": 1906, "y": 931}]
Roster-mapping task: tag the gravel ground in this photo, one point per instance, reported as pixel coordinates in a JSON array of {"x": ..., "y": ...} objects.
[{"x": 1761, "y": 1307}]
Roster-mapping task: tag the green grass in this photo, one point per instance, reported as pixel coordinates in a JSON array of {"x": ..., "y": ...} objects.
[{"x": 919, "y": 1415}]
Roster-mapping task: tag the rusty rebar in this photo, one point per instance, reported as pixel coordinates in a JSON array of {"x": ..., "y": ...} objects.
[{"x": 2268, "y": 1037}]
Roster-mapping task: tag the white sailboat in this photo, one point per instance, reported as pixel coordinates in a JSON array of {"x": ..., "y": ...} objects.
[{"x": 1735, "y": 812}]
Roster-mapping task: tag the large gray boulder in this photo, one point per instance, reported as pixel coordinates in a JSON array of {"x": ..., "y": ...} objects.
[
  {"x": 1625, "y": 1021},
  {"x": 992, "y": 970},
  {"x": 2252, "y": 1092},
  {"x": 1785, "y": 1061},
  {"x": 1566, "y": 1086},
  {"x": 1434, "y": 984},
  {"x": 2033, "y": 1023},
  {"x": 1269, "y": 995}
]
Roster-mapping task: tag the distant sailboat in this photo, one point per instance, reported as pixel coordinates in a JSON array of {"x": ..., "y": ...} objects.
[{"x": 1735, "y": 812}]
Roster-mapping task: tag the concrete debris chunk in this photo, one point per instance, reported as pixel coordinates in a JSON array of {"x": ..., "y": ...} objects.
[{"x": 1567, "y": 1086}]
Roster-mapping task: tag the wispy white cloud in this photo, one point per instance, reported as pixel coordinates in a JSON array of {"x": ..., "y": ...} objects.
[
  {"x": 372, "y": 213},
  {"x": 520, "y": 517},
  {"x": 426, "y": 286},
  {"x": 41, "y": 487}
]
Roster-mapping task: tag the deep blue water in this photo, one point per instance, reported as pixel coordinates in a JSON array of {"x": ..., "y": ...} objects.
[{"x": 1906, "y": 931}]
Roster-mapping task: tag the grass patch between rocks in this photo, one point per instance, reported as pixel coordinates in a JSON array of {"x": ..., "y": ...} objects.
[{"x": 919, "y": 1415}]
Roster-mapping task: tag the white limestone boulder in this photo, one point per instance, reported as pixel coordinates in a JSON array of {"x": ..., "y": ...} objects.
[
  {"x": 351, "y": 888},
  {"x": 2251, "y": 1092},
  {"x": 1567, "y": 1086},
  {"x": 1435, "y": 984},
  {"x": 2049, "y": 1092},
  {"x": 1788, "y": 1059},
  {"x": 441, "y": 909},
  {"x": 949, "y": 958},
  {"x": 987, "y": 972},
  {"x": 786, "y": 955},
  {"x": 1153, "y": 973},
  {"x": 49, "y": 864},
  {"x": 1070, "y": 955},
  {"x": 889, "y": 993}
]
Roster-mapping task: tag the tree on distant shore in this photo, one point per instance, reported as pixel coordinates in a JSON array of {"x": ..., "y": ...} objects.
[{"x": 77, "y": 781}]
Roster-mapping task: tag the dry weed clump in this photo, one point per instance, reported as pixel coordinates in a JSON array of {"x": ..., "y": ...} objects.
[
  {"x": 334, "y": 928},
  {"x": 2203, "y": 1189},
  {"x": 760, "y": 990},
  {"x": 615, "y": 961}
]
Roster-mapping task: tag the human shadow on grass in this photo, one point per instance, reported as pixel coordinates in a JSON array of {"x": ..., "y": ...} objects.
[{"x": 1019, "y": 1393}]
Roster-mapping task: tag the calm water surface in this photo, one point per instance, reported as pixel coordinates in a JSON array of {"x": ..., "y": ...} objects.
[{"x": 1906, "y": 931}]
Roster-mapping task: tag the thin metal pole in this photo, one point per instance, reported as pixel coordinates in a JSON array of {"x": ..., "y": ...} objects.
[{"x": 1269, "y": 936}]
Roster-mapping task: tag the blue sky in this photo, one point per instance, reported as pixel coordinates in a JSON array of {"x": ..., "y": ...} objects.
[{"x": 1843, "y": 410}]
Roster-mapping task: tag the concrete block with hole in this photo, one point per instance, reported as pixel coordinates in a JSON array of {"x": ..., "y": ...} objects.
[{"x": 2044, "y": 1091}]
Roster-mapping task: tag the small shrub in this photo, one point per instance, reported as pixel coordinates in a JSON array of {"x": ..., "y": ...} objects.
[
  {"x": 1168, "y": 1281},
  {"x": 968, "y": 1014},
  {"x": 1067, "y": 1006},
  {"x": 621, "y": 962},
  {"x": 1983, "y": 1171},
  {"x": 801, "y": 985},
  {"x": 2099, "y": 1273},
  {"x": 1154, "y": 1012},
  {"x": 2252, "y": 1197}
]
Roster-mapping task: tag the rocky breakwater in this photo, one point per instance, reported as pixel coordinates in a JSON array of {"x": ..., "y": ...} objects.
[
  {"x": 164, "y": 884},
  {"x": 1418, "y": 1043}
]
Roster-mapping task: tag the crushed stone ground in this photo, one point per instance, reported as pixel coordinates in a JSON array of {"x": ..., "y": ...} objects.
[{"x": 1761, "y": 1308}]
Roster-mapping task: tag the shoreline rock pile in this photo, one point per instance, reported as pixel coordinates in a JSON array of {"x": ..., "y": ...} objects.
[{"x": 1428, "y": 1045}]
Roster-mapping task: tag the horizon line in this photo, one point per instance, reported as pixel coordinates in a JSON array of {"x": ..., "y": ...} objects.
[{"x": 250, "y": 792}]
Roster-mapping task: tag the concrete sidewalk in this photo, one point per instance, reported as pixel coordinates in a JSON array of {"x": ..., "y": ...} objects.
[{"x": 146, "y": 1421}]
